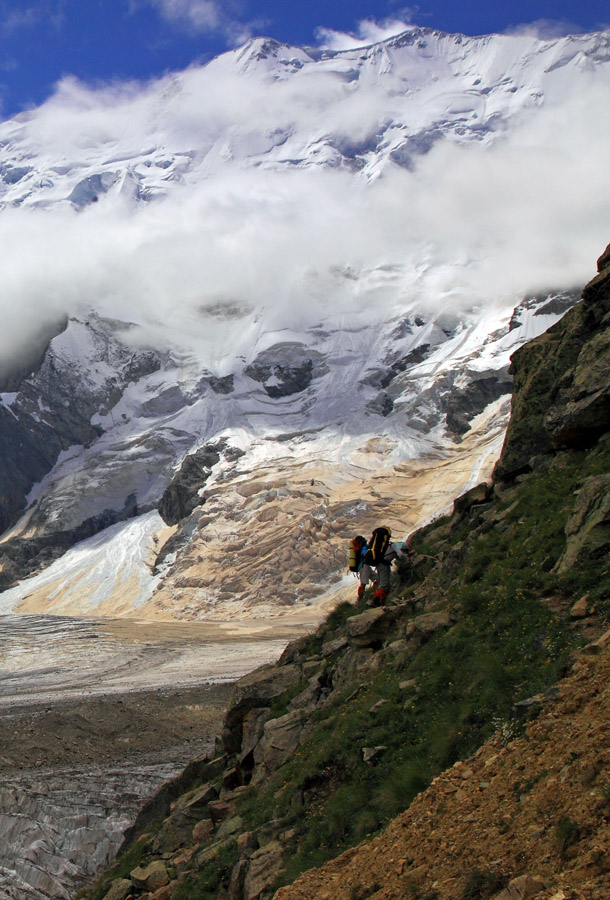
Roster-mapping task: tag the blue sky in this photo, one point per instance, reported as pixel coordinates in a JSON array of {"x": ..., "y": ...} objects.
[{"x": 104, "y": 40}]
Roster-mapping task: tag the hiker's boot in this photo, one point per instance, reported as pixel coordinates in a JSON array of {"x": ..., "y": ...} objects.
[
  {"x": 379, "y": 597},
  {"x": 361, "y": 590}
]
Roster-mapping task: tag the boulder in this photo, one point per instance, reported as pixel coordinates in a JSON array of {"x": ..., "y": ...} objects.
[
  {"x": 370, "y": 753},
  {"x": 163, "y": 893},
  {"x": 319, "y": 686},
  {"x": 259, "y": 689},
  {"x": 202, "y": 831},
  {"x": 183, "y": 861},
  {"x": 177, "y": 828},
  {"x": 421, "y": 629},
  {"x": 295, "y": 651},
  {"x": 213, "y": 851},
  {"x": 198, "y": 803},
  {"x": 474, "y": 497},
  {"x": 229, "y": 827},
  {"x": 264, "y": 869},
  {"x": 253, "y": 726},
  {"x": 174, "y": 832},
  {"x": 247, "y": 844},
  {"x": 282, "y": 736},
  {"x": 331, "y": 647},
  {"x": 522, "y": 888},
  {"x": 119, "y": 889},
  {"x": 231, "y": 778},
  {"x": 219, "y": 811},
  {"x": 580, "y": 609},
  {"x": 150, "y": 877},
  {"x": 351, "y": 666},
  {"x": 588, "y": 527},
  {"x": 370, "y": 628},
  {"x": 238, "y": 876},
  {"x": 255, "y": 691}
]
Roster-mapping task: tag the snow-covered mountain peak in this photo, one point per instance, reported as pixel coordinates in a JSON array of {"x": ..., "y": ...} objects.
[
  {"x": 280, "y": 106},
  {"x": 322, "y": 257}
]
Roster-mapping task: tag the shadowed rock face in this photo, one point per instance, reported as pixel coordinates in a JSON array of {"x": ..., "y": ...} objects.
[
  {"x": 182, "y": 496},
  {"x": 466, "y": 403},
  {"x": 562, "y": 382},
  {"x": 286, "y": 369},
  {"x": 223, "y": 385},
  {"x": 54, "y": 404},
  {"x": 21, "y": 556}
]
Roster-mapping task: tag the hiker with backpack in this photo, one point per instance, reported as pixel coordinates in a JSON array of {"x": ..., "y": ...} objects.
[{"x": 378, "y": 553}]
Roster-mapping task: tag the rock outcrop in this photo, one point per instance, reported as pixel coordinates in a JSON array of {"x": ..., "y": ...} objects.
[
  {"x": 562, "y": 382},
  {"x": 181, "y": 496}
]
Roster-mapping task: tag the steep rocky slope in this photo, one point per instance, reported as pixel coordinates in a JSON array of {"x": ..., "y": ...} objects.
[
  {"x": 459, "y": 673},
  {"x": 526, "y": 816}
]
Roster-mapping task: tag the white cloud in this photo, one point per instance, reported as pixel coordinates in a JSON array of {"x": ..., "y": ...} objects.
[
  {"x": 16, "y": 17},
  {"x": 472, "y": 224},
  {"x": 206, "y": 17},
  {"x": 368, "y": 31},
  {"x": 546, "y": 29}
]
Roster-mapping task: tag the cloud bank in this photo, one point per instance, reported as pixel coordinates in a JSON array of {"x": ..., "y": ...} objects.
[{"x": 471, "y": 225}]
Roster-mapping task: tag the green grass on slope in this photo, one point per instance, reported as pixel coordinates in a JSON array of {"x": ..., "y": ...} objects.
[{"x": 506, "y": 645}]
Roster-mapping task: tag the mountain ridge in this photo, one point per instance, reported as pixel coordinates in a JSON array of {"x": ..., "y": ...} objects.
[{"x": 357, "y": 318}]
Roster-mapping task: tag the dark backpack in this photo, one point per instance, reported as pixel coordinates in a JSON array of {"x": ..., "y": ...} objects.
[
  {"x": 356, "y": 546},
  {"x": 378, "y": 544}
]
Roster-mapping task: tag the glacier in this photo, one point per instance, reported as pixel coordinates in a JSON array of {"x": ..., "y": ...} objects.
[{"x": 316, "y": 263}]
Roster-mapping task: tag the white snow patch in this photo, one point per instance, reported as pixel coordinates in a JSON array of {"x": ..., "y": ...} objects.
[{"x": 94, "y": 571}]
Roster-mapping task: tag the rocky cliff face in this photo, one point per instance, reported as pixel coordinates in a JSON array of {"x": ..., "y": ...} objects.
[
  {"x": 562, "y": 382},
  {"x": 358, "y": 719}
]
